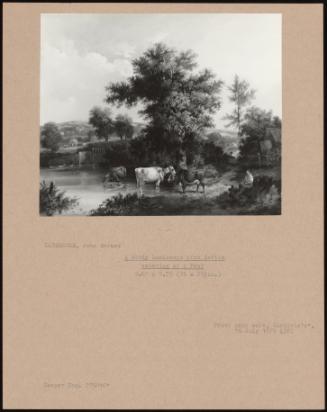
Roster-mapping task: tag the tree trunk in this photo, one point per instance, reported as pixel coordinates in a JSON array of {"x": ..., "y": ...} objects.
[{"x": 259, "y": 154}]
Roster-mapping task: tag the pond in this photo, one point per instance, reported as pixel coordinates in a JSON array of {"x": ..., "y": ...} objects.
[{"x": 87, "y": 186}]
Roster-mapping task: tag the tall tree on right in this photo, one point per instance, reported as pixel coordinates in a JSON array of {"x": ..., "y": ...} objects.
[
  {"x": 253, "y": 130},
  {"x": 241, "y": 95}
]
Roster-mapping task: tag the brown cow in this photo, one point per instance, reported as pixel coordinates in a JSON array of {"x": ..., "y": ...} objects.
[
  {"x": 188, "y": 178},
  {"x": 115, "y": 174}
]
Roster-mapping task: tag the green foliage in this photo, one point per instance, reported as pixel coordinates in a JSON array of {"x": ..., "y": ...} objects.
[
  {"x": 250, "y": 151},
  {"x": 124, "y": 126},
  {"x": 177, "y": 102},
  {"x": 256, "y": 122},
  {"x": 50, "y": 136},
  {"x": 119, "y": 153},
  {"x": 53, "y": 201},
  {"x": 118, "y": 205},
  {"x": 102, "y": 122},
  {"x": 131, "y": 205},
  {"x": 147, "y": 151},
  {"x": 240, "y": 95},
  {"x": 276, "y": 122},
  {"x": 141, "y": 151},
  {"x": 57, "y": 159},
  {"x": 213, "y": 154},
  {"x": 264, "y": 195},
  {"x": 215, "y": 137},
  {"x": 134, "y": 153}
]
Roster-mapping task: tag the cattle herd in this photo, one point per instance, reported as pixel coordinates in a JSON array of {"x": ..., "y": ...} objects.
[{"x": 156, "y": 175}]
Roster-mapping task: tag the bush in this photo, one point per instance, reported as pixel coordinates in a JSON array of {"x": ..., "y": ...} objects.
[
  {"x": 53, "y": 201},
  {"x": 210, "y": 171},
  {"x": 128, "y": 204},
  {"x": 265, "y": 194},
  {"x": 135, "y": 153},
  {"x": 57, "y": 159},
  {"x": 214, "y": 155},
  {"x": 118, "y": 205},
  {"x": 142, "y": 151},
  {"x": 118, "y": 153}
]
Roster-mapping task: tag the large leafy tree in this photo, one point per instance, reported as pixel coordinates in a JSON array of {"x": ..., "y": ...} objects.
[
  {"x": 241, "y": 95},
  {"x": 50, "y": 136},
  {"x": 177, "y": 102},
  {"x": 124, "y": 126},
  {"x": 102, "y": 122}
]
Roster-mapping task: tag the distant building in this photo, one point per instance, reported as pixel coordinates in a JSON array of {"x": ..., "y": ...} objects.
[{"x": 92, "y": 154}]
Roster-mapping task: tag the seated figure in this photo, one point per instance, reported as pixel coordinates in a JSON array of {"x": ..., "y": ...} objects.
[{"x": 248, "y": 179}]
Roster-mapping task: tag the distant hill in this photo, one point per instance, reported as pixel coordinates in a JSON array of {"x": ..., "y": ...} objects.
[
  {"x": 226, "y": 133},
  {"x": 75, "y": 130},
  {"x": 83, "y": 131}
]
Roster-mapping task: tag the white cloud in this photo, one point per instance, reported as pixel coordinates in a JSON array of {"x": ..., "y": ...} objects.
[
  {"x": 82, "y": 53},
  {"x": 71, "y": 84}
]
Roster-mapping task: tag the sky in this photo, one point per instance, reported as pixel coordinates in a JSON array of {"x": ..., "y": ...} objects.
[{"x": 82, "y": 53}]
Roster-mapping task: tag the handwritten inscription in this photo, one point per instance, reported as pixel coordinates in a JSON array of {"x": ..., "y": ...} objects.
[
  {"x": 264, "y": 328},
  {"x": 178, "y": 274},
  {"x": 175, "y": 258},
  {"x": 87, "y": 245},
  {"x": 162, "y": 266},
  {"x": 76, "y": 385},
  {"x": 177, "y": 266}
]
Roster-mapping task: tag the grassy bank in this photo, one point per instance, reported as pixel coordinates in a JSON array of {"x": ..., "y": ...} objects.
[{"x": 263, "y": 198}]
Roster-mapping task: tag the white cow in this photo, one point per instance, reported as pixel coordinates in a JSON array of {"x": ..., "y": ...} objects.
[{"x": 153, "y": 174}]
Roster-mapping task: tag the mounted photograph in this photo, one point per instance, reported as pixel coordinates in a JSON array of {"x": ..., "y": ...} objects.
[{"x": 160, "y": 114}]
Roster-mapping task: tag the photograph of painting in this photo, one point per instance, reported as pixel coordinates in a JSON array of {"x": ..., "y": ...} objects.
[{"x": 160, "y": 114}]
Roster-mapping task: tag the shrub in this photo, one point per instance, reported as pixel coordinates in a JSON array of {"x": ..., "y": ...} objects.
[
  {"x": 118, "y": 153},
  {"x": 118, "y": 205},
  {"x": 210, "y": 171},
  {"x": 214, "y": 155},
  {"x": 264, "y": 194},
  {"x": 128, "y": 204},
  {"x": 53, "y": 201},
  {"x": 57, "y": 159}
]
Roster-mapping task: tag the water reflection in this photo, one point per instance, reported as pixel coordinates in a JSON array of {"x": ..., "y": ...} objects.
[{"x": 87, "y": 186}]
